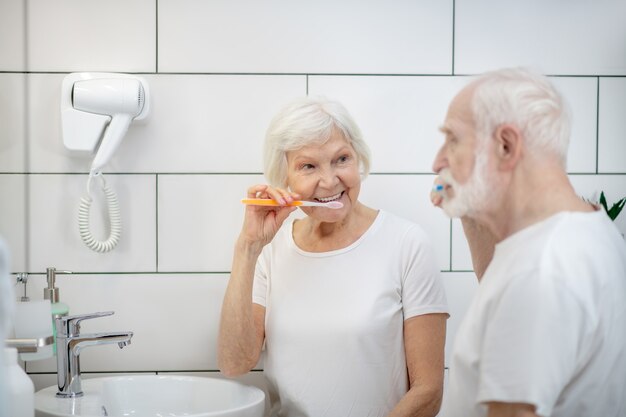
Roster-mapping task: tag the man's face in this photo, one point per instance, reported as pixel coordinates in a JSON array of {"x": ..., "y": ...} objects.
[{"x": 462, "y": 163}]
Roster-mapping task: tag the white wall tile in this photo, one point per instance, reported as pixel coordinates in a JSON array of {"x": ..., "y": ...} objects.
[
  {"x": 612, "y": 129},
  {"x": 580, "y": 94},
  {"x": 13, "y": 218},
  {"x": 12, "y": 35},
  {"x": 46, "y": 151},
  {"x": 200, "y": 217},
  {"x": 461, "y": 256},
  {"x": 13, "y": 121},
  {"x": 196, "y": 123},
  {"x": 54, "y": 239},
  {"x": 42, "y": 381},
  {"x": 70, "y": 35},
  {"x": 408, "y": 196},
  {"x": 209, "y": 123},
  {"x": 558, "y": 37},
  {"x": 399, "y": 116},
  {"x": 460, "y": 288},
  {"x": 305, "y": 37},
  {"x": 174, "y": 319},
  {"x": 614, "y": 187}
]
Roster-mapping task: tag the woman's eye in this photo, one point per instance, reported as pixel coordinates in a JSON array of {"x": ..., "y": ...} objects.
[
  {"x": 344, "y": 158},
  {"x": 306, "y": 166}
]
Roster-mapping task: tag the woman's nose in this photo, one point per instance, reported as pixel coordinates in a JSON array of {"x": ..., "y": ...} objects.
[{"x": 328, "y": 178}]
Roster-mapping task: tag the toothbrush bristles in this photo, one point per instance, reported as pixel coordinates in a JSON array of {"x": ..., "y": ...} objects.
[{"x": 334, "y": 204}]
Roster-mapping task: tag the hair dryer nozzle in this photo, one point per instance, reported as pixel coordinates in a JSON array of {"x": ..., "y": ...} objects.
[{"x": 109, "y": 96}]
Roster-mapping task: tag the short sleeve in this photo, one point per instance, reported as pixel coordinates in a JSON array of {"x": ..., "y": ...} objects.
[
  {"x": 422, "y": 288},
  {"x": 532, "y": 343}
]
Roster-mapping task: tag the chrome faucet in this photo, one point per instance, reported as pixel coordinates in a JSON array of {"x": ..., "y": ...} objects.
[{"x": 69, "y": 345}]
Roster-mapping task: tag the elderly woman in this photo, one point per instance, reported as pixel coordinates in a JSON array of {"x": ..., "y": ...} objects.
[{"x": 346, "y": 305}]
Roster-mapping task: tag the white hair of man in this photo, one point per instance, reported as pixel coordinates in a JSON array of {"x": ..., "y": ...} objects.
[
  {"x": 527, "y": 100},
  {"x": 309, "y": 121}
]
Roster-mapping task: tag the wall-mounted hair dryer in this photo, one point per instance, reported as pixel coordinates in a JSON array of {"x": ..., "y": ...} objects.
[
  {"x": 97, "y": 109},
  {"x": 122, "y": 99}
]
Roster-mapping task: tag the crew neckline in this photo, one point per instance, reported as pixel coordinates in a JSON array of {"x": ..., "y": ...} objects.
[
  {"x": 527, "y": 231},
  {"x": 370, "y": 230}
]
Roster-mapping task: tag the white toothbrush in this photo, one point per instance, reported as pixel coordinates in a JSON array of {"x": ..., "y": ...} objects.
[{"x": 297, "y": 203}]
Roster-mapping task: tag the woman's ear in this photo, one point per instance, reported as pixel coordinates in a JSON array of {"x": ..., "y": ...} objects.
[{"x": 509, "y": 143}]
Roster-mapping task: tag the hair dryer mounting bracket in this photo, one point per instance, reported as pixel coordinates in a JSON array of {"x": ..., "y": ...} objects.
[{"x": 97, "y": 109}]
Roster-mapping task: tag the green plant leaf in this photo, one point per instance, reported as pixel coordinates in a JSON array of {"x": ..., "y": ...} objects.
[
  {"x": 616, "y": 208},
  {"x": 603, "y": 202}
]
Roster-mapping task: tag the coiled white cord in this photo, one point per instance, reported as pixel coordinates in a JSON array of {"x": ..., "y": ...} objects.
[{"x": 114, "y": 218}]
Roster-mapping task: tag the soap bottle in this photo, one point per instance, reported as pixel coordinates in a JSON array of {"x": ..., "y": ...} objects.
[
  {"x": 58, "y": 308},
  {"x": 21, "y": 390}
]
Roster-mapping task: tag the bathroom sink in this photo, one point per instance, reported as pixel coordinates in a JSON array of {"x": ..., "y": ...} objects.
[{"x": 154, "y": 396}]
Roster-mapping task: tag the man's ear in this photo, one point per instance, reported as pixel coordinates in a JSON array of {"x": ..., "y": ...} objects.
[{"x": 509, "y": 143}]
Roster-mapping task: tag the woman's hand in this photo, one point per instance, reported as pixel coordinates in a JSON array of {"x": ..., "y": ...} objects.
[
  {"x": 242, "y": 322},
  {"x": 261, "y": 223}
]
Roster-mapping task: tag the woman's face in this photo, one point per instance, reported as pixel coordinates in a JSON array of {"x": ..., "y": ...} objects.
[{"x": 328, "y": 172}]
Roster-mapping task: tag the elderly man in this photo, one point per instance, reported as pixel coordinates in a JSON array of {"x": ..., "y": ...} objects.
[{"x": 545, "y": 334}]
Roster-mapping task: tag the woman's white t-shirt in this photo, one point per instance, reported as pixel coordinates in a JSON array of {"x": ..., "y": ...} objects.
[{"x": 334, "y": 320}]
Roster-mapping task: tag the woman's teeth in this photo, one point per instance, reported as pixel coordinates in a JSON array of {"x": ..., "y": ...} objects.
[{"x": 327, "y": 199}]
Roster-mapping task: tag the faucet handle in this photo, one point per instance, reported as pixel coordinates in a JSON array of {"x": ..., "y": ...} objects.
[{"x": 70, "y": 325}]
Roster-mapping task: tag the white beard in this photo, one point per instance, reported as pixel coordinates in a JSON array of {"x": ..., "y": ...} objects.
[{"x": 471, "y": 197}]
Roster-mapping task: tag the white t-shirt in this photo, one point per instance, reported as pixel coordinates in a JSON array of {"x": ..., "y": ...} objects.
[
  {"x": 334, "y": 320},
  {"x": 547, "y": 326}
]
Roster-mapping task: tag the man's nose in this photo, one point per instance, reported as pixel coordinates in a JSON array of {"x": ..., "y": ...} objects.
[{"x": 440, "y": 161}]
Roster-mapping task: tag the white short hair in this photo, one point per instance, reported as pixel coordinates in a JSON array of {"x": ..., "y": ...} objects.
[
  {"x": 528, "y": 100},
  {"x": 306, "y": 121}
]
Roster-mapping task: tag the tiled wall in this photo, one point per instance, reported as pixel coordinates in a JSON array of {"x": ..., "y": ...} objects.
[{"x": 218, "y": 71}]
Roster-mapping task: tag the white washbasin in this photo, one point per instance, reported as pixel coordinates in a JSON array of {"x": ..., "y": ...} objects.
[{"x": 154, "y": 396}]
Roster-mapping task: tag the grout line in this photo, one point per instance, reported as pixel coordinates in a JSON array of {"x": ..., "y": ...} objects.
[
  {"x": 425, "y": 173},
  {"x": 149, "y": 371},
  {"x": 453, "y": 33},
  {"x": 77, "y": 274},
  {"x": 334, "y": 74},
  {"x": 190, "y": 173},
  {"x": 27, "y": 140},
  {"x": 450, "y": 254},
  {"x": 156, "y": 24},
  {"x": 597, "y": 125},
  {"x": 27, "y": 178},
  {"x": 156, "y": 204}
]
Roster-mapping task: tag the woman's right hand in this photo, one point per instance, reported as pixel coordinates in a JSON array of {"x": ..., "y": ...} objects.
[{"x": 261, "y": 223}]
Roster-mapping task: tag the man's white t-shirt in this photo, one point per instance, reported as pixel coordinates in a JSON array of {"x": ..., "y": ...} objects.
[
  {"x": 547, "y": 326},
  {"x": 334, "y": 341}
]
